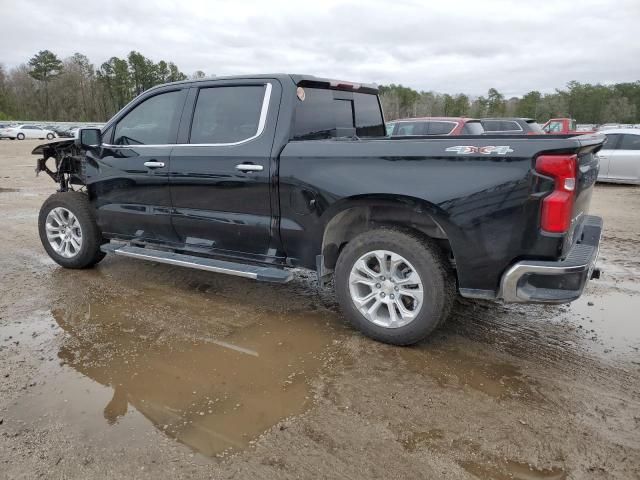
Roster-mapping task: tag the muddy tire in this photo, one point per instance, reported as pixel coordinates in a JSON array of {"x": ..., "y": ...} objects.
[
  {"x": 20, "y": 136},
  {"x": 394, "y": 286},
  {"x": 68, "y": 230}
]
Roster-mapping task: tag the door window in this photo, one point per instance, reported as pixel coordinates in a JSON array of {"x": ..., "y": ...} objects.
[
  {"x": 152, "y": 122},
  {"x": 611, "y": 141},
  {"x": 227, "y": 114},
  {"x": 553, "y": 127},
  {"x": 630, "y": 142}
]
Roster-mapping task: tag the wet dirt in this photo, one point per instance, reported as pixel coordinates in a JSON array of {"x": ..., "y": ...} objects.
[{"x": 135, "y": 369}]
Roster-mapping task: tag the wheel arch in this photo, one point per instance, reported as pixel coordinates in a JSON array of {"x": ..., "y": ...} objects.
[{"x": 354, "y": 215}]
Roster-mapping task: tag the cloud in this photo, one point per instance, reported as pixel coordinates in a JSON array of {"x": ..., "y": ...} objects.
[{"x": 465, "y": 46}]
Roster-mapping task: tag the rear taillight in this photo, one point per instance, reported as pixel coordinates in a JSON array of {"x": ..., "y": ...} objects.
[{"x": 556, "y": 207}]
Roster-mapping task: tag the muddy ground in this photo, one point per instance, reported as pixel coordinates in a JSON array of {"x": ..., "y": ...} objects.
[{"x": 140, "y": 370}]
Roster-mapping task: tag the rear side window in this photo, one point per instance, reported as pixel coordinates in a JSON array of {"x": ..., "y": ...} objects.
[
  {"x": 323, "y": 111},
  {"x": 492, "y": 125},
  {"x": 472, "y": 128},
  {"x": 227, "y": 114},
  {"x": 630, "y": 142},
  {"x": 404, "y": 129},
  {"x": 501, "y": 126},
  {"x": 152, "y": 122},
  {"x": 440, "y": 128}
]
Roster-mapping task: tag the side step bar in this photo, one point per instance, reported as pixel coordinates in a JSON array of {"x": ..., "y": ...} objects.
[{"x": 264, "y": 274}]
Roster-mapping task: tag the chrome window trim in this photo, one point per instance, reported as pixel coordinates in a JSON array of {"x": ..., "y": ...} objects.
[{"x": 262, "y": 122}]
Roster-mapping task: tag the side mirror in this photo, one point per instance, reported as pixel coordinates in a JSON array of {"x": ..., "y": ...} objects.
[{"x": 88, "y": 138}]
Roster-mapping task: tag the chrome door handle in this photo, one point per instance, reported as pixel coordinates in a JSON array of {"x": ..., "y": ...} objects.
[
  {"x": 249, "y": 167},
  {"x": 153, "y": 164}
]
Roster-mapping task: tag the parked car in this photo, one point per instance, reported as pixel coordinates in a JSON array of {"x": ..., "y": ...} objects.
[
  {"x": 610, "y": 126},
  {"x": 21, "y": 132},
  {"x": 436, "y": 126},
  {"x": 620, "y": 156},
  {"x": 511, "y": 126},
  {"x": 3, "y": 127},
  {"x": 250, "y": 176},
  {"x": 69, "y": 131},
  {"x": 564, "y": 126}
]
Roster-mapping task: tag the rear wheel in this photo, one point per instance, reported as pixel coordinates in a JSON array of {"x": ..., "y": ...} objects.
[
  {"x": 68, "y": 230},
  {"x": 49, "y": 136},
  {"x": 20, "y": 136},
  {"x": 394, "y": 286}
]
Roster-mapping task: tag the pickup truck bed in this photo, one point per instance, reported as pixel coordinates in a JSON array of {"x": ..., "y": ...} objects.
[{"x": 307, "y": 179}]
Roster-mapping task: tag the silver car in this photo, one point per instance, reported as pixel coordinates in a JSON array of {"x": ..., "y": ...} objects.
[{"x": 620, "y": 156}]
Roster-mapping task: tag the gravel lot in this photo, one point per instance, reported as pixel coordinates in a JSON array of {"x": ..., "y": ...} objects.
[{"x": 140, "y": 370}]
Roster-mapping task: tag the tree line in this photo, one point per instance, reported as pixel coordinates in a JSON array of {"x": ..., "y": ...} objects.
[
  {"x": 587, "y": 103},
  {"x": 48, "y": 88}
]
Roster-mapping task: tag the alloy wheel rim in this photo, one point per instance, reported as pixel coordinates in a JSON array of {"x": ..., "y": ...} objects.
[
  {"x": 64, "y": 232},
  {"x": 386, "y": 289}
]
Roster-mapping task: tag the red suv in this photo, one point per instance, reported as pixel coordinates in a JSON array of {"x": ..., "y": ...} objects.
[{"x": 405, "y": 127}]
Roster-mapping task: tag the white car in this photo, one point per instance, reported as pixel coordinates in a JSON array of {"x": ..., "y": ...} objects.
[
  {"x": 21, "y": 132},
  {"x": 620, "y": 156}
]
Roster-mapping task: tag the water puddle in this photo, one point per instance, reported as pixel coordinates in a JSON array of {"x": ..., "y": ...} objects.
[
  {"x": 610, "y": 321},
  {"x": 451, "y": 367},
  {"x": 512, "y": 470},
  {"x": 213, "y": 396}
]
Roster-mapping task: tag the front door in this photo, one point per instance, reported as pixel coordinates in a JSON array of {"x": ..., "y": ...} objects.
[
  {"x": 128, "y": 177},
  {"x": 220, "y": 172}
]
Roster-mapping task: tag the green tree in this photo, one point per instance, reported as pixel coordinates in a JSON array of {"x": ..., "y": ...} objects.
[
  {"x": 44, "y": 67},
  {"x": 495, "y": 103},
  {"x": 528, "y": 105}
]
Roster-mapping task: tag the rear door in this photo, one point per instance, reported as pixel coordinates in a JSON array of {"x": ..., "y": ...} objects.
[
  {"x": 221, "y": 171},
  {"x": 128, "y": 178},
  {"x": 624, "y": 163}
]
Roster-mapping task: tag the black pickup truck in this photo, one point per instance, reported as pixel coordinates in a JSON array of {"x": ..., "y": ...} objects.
[{"x": 252, "y": 175}]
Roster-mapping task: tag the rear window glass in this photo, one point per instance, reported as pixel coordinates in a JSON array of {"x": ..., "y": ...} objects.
[
  {"x": 323, "y": 111},
  {"x": 472, "y": 128}
]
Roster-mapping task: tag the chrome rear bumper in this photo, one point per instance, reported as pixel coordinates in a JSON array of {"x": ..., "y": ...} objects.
[{"x": 555, "y": 282}]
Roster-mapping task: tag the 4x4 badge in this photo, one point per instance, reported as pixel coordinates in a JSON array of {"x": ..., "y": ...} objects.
[{"x": 488, "y": 150}]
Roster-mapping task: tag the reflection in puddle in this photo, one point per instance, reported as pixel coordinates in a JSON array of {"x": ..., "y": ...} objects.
[
  {"x": 511, "y": 470},
  {"x": 611, "y": 321},
  {"x": 451, "y": 367},
  {"x": 211, "y": 396}
]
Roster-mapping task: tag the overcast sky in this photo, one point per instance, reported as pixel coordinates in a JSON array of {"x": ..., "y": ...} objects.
[{"x": 446, "y": 46}]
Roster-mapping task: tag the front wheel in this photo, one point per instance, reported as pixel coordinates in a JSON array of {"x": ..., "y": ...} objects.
[
  {"x": 49, "y": 136},
  {"x": 394, "y": 286},
  {"x": 20, "y": 136},
  {"x": 68, "y": 230}
]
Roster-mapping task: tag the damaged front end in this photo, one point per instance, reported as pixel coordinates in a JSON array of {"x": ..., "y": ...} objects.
[{"x": 68, "y": 160}]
